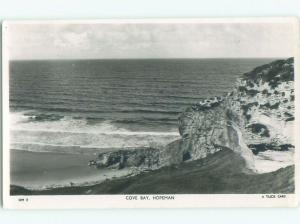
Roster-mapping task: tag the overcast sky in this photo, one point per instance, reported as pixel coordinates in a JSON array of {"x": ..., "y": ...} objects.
[{"x": 185, "y": 40}]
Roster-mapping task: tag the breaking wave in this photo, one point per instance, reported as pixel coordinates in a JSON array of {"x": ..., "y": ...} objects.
[{"x": 44, "y": 132}]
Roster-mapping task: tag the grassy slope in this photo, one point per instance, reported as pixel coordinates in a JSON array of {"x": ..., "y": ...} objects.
[{"x": 223, "y": 172}]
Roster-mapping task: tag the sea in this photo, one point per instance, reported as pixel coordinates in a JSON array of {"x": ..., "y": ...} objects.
[{"x": 82, "y": 106}]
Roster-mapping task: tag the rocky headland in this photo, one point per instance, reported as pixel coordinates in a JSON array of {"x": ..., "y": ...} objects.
[{"x": 255, "y": 120}]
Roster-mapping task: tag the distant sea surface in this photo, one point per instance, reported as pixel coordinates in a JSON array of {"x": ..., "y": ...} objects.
[{"x": 99, "y": 104}]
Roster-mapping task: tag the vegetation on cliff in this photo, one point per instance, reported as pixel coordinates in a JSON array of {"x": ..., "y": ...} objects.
[{"x": 274, "y": 73}]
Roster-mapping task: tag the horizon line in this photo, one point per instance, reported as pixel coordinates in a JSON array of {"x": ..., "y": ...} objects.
[{"x": 191, "y": 58}]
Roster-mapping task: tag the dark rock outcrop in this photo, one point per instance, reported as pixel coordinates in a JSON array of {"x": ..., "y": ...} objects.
[{"x": 143, "y": 158}]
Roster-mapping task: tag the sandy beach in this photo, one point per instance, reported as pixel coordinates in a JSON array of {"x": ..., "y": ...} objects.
[{"x": 38, "y": 170}]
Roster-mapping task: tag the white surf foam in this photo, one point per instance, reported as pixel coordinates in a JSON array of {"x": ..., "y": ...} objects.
[{"x": 69, "y": 132}]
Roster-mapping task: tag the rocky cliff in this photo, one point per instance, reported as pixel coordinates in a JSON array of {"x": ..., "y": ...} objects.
[{"x": 255, "y": 120}]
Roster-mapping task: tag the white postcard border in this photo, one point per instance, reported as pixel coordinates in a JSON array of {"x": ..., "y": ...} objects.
[{"x": 120, "y": 201}]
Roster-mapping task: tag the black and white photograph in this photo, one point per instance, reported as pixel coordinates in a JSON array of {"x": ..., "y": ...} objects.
[{"x": 161, "y": 108}]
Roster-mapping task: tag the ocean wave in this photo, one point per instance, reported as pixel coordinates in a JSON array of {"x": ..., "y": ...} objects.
[
  {"x": 45, "y": 141},
  {"x": 64, "y": 110},
  {"x": 147, "y": 120},
  {"x": 25, "y": 121},
  {"x": 70, "y": 132}
]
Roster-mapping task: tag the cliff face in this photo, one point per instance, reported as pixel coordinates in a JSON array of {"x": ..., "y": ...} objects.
[{"x": 255, "y": 120}]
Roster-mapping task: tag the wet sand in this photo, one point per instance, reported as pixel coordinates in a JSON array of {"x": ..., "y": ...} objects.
[{"x": 37, "y": 170}]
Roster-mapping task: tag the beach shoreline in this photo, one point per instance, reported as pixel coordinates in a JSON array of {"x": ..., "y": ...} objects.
[{"x": 47, "y": 170}]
